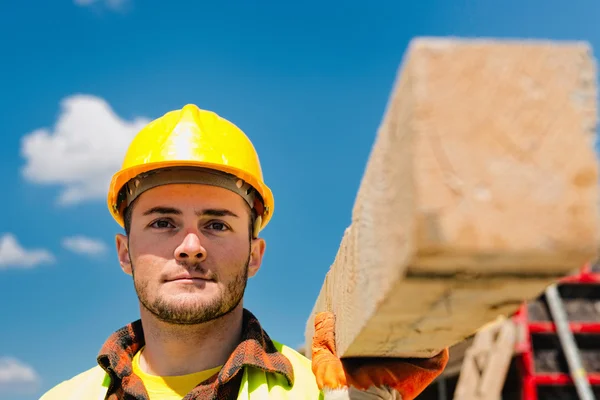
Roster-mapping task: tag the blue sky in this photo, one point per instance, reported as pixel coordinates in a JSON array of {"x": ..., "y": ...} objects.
[{"x": 307, "y": 83}]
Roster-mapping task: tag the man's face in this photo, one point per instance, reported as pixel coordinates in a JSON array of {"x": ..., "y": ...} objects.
[{"x": 189, "y": 252}]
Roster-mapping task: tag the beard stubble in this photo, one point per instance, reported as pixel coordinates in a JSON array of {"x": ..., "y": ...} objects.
[{"x": 192, "y": 314}]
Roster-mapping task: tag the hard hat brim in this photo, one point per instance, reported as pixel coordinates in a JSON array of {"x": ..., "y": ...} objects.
[{"x": 122, "y": 177}]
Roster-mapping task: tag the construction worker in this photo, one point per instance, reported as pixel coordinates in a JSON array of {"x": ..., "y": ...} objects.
[{"x": 192, "y": 201}]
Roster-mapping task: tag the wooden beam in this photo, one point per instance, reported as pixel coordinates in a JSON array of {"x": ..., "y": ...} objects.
[{"x": 481, "y": 189}]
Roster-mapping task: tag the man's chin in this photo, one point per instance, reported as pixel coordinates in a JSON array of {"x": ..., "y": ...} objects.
[
  {"x": 188, "y": 308},
  {"x": 189, "y": 302},
  {"x": 185, "y": 314}
]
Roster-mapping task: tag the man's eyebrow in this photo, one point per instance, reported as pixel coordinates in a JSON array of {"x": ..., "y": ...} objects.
[
  {"x": 210, "y": 212},
  {"x": 163, "y": 210},
  {"x": 216, "y": 212}
]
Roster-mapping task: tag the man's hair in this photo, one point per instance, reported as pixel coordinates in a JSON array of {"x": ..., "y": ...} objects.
[
  {"x": 127, "y": 217},
  {"x": 127, "y": 214}
]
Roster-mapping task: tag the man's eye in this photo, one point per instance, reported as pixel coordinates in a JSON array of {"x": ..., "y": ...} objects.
[
  {"x": 161, "y": 224},
  {"x": 219, "y": 226}
]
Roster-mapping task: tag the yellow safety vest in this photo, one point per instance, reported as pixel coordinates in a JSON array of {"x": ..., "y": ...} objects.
[{"x": 256, "y": 384}]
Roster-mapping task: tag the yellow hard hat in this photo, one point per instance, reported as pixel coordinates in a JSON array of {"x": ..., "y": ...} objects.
[{"x": 216, "y": 150}]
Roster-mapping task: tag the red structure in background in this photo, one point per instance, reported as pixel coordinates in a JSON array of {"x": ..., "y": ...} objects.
[{"x": 540, "y": 361}]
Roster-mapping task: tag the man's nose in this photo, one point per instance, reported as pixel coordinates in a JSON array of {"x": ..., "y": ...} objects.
[{"x": 190, "y": 249}]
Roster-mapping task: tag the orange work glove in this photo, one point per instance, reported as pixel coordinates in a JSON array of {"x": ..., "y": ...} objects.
[{"x": 368, "y": 378}]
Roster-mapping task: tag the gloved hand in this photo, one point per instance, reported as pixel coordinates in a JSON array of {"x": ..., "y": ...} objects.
[{"x": 368, "y": 378}]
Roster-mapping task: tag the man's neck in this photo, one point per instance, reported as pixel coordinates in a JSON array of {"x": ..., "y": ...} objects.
[{"x": 172, "y": 350}]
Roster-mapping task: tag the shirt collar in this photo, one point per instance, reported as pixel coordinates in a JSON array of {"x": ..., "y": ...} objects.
[{"x": 255, "y": 349}]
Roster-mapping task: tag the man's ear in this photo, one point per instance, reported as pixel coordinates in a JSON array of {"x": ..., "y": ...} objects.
[
  {"x": 257, "y": 250},
  {"x": 123, "y": 253}
]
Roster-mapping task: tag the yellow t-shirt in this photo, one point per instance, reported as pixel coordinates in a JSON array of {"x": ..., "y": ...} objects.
[{"x": 170, "y": 387}]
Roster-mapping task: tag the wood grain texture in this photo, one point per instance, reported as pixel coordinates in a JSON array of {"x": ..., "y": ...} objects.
[{"x": 480, "y": 190}]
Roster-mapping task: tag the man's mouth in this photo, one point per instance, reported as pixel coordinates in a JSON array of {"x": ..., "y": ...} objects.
[{"x": 187, "y": 277}]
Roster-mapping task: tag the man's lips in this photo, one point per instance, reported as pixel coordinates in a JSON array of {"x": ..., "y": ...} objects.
[{"x": 187, "y": 277}]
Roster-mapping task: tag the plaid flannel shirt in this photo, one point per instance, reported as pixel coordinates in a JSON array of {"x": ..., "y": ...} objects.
[{"x": 254, "y": 350}]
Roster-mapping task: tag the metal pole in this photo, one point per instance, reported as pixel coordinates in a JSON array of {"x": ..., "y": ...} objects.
[
  {"x": 569, "y": 346},
  {"x": 442, "y": 388}
]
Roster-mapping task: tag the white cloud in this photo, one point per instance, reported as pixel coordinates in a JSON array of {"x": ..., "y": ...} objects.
[
  {"x": 15, "y": 376},
  {"x": 112, "y": 4},
  {"x": 84, "y": 245},
  {"x": 85, "y": 147},
  {"x": 15, "y": 256}
]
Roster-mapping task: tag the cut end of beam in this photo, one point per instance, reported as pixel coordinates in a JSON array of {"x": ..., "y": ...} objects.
[{"x": 503, "y": 149}]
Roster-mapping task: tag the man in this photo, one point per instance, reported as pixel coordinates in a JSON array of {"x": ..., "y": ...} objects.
[{"x": 191, "y": 198}]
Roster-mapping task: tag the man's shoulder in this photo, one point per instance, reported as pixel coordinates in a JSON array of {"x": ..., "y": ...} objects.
[
  {"x": 289, "y": 352},
  {"x": 91, "y": 380}
]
